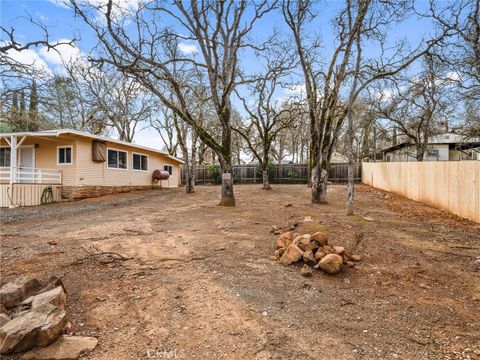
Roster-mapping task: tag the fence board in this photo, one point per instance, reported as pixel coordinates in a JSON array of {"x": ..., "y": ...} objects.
[
  {"x": 453, "y": 186},
  {"x": 279, "y": 174}
]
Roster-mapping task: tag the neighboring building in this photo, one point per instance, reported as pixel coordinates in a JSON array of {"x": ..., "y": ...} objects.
[
  {"x": 338, "y": 158},
  {"x": 444, "y": 147},
  {"x": 76, "y": 165}
]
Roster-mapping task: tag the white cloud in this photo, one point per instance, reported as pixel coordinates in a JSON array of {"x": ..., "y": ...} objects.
[
  {"x": 60, "y": 3},
  {"x": 187, "y": 49},
  {"x": 30, "y": 58},
  {"x": 295, "y": 89},
  {"x": 61, "y": 53},
  {"x": 384, "y": 94},
  {"x": 453, "y": 76}
]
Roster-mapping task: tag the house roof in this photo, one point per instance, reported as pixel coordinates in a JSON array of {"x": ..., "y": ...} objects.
[
  {"x": 454, "y": 141},
  {"x": 60, "y": 132}
]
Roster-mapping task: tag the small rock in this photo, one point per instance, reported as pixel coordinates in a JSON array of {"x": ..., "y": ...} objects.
[
  {"x": 350, "y": 264},
  {"x": 56, "y": 297},
  {"x": 307, "y": 219},
  {"x": 288, "y": 205},
  {"x": 320, "y": 238},
  {"x": 331, "y": 264},
  {"x": 306, "y": 270},
  {"x": 291, "y": 255},
  {"x": 52, "y": 242},
  {"x": 328, "y": 249},
  {"x": 277, "y": 254},
  {"x": 320, "y": 254},
  {"x": 265, "y": 313},
  {"x": 284, "y": 240},
  {"x": 37, "y": 327},
  {"x": 13, "y": 293},
  {"x": 308, "y": 257},
  {"x": 101, "y": 298},
  {"x": 302, "y": 239},
  {"x": 356, "y": 258},
  {"x": 64, "y": 348},
  {"x": 339, "y": 250},
  {"x": 366, "y": 218},
  {"x": 4, "y": 318}
]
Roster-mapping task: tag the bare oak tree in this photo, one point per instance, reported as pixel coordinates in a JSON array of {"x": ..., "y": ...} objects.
[
  {"x": 266, "y": 115},
  {"x": 135, "y": 44}
]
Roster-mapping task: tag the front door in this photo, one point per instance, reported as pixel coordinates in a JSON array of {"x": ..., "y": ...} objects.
[{"x": 26, "y": 165}]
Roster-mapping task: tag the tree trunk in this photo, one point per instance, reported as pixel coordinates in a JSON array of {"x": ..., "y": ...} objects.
[
  {"x": 266, "y": 183},
  {"x": 351, "y": 184},
  {"x": 420, "y": 153},
  {"x": 190, "y": 187},
  {"x": 323, "y": 185},
  {"x": 188, "y": 172},
  {"x": 228, "y": 198},
  {"x": 323, "y": 179},
  {"x": 315, "y": 184}
]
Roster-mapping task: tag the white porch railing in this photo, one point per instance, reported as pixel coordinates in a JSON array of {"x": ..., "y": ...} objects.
[{"x": 31, "y": 176}]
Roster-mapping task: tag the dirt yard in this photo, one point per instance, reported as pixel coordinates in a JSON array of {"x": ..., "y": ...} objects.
[{"x": 164, "y": 274}]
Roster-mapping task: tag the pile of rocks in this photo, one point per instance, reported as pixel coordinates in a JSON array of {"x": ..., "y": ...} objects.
[
  {"x": 315, "y": 252},
  {"x": 33, "y": 316}
]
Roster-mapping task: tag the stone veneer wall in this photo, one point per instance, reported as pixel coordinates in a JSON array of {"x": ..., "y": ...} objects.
[{"x": 82, "y": 192}]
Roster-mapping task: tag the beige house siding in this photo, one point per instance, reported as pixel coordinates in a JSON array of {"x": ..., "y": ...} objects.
[
  {"x": 84, "y": 171},
  {"x": 46, "y": 156},
  {"x": 92, "y": 173}
]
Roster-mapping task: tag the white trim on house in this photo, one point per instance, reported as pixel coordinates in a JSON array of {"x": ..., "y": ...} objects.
[
  {"x": 126, "y": 158},
  {"x": 71, "y": 155},
  {"x": 148, "y": 162}
]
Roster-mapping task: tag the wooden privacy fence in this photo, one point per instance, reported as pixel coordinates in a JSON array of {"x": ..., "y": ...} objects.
[
  {"x": 278, "y": 174},
  {"x": 453, "y": 186}
]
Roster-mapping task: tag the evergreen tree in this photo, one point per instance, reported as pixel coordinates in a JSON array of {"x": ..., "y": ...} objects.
[
  {"x": 33, "y": 108},
  {"x": 14, "y": 110}
]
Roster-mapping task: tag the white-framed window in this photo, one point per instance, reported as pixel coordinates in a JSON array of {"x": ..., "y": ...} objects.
[
  {"x": 140, "y": 162},
  {"x": 65, "y": 155},
  {"x": 168, "y": 168},
  {"x": 117, "y": 159},
  {"x": 4, "y": 156}
]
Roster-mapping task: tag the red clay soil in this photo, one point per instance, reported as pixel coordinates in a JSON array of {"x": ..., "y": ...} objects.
[{"x": 164, "y": 274}]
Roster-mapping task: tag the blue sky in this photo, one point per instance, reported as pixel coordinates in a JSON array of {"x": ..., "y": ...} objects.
[{"x": 63, "y": 25}]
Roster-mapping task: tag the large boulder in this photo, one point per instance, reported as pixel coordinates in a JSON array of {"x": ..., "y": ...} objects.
[
  {"x": 39, "y": 326},
  {"x": 320, "y": 238},
  {"x": 4, "y": 318},
  {"x": 52, "y": 283},
  {"x": 291, "y": 255},
  {"x": 13, "y": 293},
  {"x": 56, "y": 296},
  {"x": 284, "y": 240},
  {"x": 331, "y": 264},
  {"x": 64, "y": 348}
]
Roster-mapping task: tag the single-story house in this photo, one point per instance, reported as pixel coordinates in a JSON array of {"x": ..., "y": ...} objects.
[
  {"x": 443, "y": 147},
  {"x": 75, "y": 164}
]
